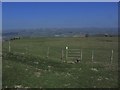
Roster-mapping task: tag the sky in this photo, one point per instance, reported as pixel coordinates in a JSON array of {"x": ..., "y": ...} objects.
[{"x": 32, "y": 15}]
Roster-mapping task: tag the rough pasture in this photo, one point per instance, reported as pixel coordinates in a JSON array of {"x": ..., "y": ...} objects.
[{"x": 33, "y": 69}]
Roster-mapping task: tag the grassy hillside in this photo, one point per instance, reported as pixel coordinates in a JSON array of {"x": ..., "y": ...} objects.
[{"x": 27, "y": 66}]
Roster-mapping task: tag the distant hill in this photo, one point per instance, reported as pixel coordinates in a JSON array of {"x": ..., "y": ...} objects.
[{"x": 59, "y": 32}]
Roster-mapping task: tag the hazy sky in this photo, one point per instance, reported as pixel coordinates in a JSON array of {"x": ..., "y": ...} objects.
[{"x": 26, "y": 15}]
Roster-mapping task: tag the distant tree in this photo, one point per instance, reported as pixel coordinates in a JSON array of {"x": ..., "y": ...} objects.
[
  {"x": 86, "y": 35},
  {"x": 110, "y": 35},
  {"x": 106, "y": 35},
  {"x": 15, "y": 38}
]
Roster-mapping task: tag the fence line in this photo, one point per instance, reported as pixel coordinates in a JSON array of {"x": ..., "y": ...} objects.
[{"x": 72, "y": 53}]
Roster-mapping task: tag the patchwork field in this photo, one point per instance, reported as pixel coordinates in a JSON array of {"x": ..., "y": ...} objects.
[{"x": 28, "y": 63}]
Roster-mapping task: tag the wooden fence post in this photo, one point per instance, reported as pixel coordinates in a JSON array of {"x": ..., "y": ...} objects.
[
  {"x": 48, "y": 52},
  {"x": 92, "y": 55},
  {"x": 9, "y": 46},
  {"x": 81, "y": 55},
  {"x": 111, "y": 56},
  {"x": 26, "y": 50},
  {"x": 66, "y": 53},
  {"x": 62, "y": 54}
]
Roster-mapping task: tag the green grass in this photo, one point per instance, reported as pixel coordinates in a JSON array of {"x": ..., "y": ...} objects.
[{"x": 33, "y": 69}]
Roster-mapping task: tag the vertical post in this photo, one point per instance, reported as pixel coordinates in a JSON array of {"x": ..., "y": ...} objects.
[
  {"x": 26, "y": 50},
  {"x": 92, "y": 55},
  {"x": 9, "y": 47},
  {"x": 111, "y": 56},
  {"x": 47, "y": 52},
  {"x": 66, "y": 53},
  {"x": 81, "y": 54},
  {"x": 62, "y": 55}
]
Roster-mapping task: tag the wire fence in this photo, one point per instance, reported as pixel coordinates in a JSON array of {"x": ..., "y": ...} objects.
[{"x": 66, "y": 54}]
